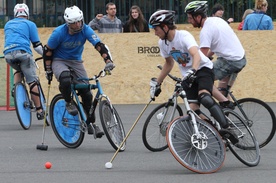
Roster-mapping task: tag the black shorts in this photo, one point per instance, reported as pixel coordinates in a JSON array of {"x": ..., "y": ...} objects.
[{"x": 204, "y": 81}]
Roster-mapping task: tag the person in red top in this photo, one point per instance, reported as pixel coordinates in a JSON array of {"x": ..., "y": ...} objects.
[{"x": 246, "y": 12}]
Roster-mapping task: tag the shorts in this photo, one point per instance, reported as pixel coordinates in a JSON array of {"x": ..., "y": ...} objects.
[
  {"x": 22, "y": 61},
  {"x": 59, "y": 66},
  {"x": 224, "y": 68},
  {"x": 204, "y": 81}
]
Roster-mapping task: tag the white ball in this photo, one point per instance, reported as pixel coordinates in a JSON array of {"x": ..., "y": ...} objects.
[{"x": 108, "y": 165}]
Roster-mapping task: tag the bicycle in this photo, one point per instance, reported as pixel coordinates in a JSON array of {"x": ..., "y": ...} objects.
[
  {"x": 254, "y": 112},
  {"x": 194, "y": 143},
  {"x": 70, "y": 130},
  {"x": 24, "y": 106}
]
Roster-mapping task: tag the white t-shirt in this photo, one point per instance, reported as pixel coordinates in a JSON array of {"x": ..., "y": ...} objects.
[
  {"x": 217, "y": 35},
  {"x": 179, "y": 47}
]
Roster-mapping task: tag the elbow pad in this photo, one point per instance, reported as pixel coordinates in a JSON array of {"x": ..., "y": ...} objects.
[
  {"x": 38, "y": 47},
  {"x": 104, "y": 51}
]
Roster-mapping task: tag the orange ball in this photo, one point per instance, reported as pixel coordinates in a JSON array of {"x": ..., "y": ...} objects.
[{"x": 48, "y": 165}]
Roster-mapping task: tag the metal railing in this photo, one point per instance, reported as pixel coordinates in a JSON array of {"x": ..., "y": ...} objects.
[{"x": 49, "y": 13}]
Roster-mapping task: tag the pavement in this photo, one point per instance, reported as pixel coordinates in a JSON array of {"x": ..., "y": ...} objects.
[{"x": 22, "y": 162}]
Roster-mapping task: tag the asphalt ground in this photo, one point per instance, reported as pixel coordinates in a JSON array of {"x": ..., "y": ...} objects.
[{"x": 22, "y": 162}]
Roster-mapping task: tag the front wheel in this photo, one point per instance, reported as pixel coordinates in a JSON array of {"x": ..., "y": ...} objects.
[
  {"x": 112, "y": 125},
  {"x": 259, "y": 117},
  {"x": 67, "y": 128},
  {"x": 23, "y": 105},
  {"x": 247, "y": 149},
  {"x": 200, "y": 153},
  {"x": 155, "y": 126}
]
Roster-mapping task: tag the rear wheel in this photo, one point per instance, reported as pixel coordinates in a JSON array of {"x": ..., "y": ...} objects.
[
  {"x": 259, "y": 117},
  {"x": 203, "y": 153},
  {"x": 155, "y": 126},
  {"x": 112, "y": 125},
  {"x": 67, "y": 128},
  {"x": 23, "y": 105}
]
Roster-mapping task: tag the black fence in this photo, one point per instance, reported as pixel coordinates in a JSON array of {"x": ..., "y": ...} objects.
[{"x": 49, "y": 13}]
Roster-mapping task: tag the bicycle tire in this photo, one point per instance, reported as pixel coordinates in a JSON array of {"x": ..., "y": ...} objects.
[
  {"x": 114, "y": 132},
  {"x": 22, "y": 106},
  {"x": 260, "y": 118},
  {"x": 67, "y": 128},
  {"x": 206, "y": 157},
  {"x": 154, "y": 131},
  {"x": 247, "y": 149}
]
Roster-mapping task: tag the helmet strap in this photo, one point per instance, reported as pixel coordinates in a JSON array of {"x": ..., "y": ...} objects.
[
  {"x": 166, "y": 34},
  {"x": 198, "y": 24}
]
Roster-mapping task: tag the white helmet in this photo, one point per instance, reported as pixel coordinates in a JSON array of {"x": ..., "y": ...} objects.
[
  {"x": 21, "y": 10},
  {"x": 73, "y": 14}
]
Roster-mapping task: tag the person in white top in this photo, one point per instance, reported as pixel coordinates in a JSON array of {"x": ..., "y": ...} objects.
[
  {"x": 217, "y": 37},
  {"x": 180, "y": 47}
]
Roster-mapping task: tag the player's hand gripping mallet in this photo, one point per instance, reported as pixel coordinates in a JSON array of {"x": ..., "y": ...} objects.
[
  {"x": 108, "y": 165},
  {"x": 43, "y": 146}
]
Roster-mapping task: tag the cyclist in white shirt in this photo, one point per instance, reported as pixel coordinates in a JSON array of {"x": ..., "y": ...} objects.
[
  {"x": 217, "y": 37},
  {"x": 180, "y": 47}
]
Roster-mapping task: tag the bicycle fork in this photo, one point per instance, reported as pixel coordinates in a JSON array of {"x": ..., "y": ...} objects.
[{"x": 199, "y": 139}]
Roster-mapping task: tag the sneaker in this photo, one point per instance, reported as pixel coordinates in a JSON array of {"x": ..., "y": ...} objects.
[
  {"x": 40, "y": 115},
  {"x": 229, "y": 134},
  {"x": 71, "y": 108},
  {"x": 99, "y": 133},
  {"x": 227, "y": 104}
]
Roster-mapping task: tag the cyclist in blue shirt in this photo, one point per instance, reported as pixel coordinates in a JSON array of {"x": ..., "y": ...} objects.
[
  {"x": 19, "y": 33},
  {"x": 64, "y": 52}
]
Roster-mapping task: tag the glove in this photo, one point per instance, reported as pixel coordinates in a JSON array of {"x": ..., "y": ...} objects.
[
  {"x": 109, "y": 66},
  {"x": 49, "y": 75},
  {"x": 155, "y": 88},
  {"x": 190, "y": 77}
]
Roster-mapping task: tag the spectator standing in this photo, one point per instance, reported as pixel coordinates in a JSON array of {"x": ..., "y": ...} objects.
[
  {"x": 218, "y": 11},
  {"x": 136, "y": 21},
  {"x": 258, "y": 20},
  {"x": 246, "y": 12},
  {"x": 108, "y": 23},
  {"x": 19, "y": 33}
]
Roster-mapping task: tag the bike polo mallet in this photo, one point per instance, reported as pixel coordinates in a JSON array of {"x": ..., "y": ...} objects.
[
  {"x": 42, "y": 146},
  {"x": 108, "y": 165}
]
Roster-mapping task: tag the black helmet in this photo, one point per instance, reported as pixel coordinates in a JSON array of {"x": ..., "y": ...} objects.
[
  {"x": 162, "y": 17},
  {"x": 197, "y": 7}
]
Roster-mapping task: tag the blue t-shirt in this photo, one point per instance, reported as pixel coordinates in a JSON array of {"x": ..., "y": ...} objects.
[
  {"x": 19, "y": 33},
  {"x": 70, "y": 47},
  {"x": 258, "y": 21}
]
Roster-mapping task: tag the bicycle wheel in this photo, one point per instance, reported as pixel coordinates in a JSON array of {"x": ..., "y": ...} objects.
[
  {"x": 203, "y": 154},
  {"x": 112, "y": 125},
  {"x": 247, "y": 149},
  {"x": 22, "y": 105},
  {"x": 154, "y": 129},
  {"x": 67, "y": 128},
  {"x": 259, "y": 117}
]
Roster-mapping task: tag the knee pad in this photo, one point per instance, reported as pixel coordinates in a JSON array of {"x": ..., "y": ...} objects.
[
  {"x": 207, "y": 101},
  {"x": 65, "y": 85}
]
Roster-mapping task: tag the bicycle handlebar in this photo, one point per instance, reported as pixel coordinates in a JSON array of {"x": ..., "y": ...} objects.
[
  {"x": 102, "y": 73},
  {"x": 39, "y": 58},
  {"x": 171, "y": 76}
]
